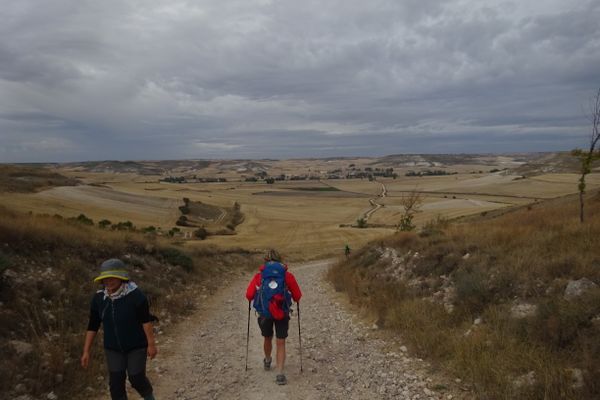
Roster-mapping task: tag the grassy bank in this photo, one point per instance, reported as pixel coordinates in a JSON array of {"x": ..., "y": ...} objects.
[
  {"x": 46, "y": 271},
  {"x": 489, "y": 300}
]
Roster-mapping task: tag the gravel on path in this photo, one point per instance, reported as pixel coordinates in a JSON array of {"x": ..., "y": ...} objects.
[{"x": 342, "y": 356}]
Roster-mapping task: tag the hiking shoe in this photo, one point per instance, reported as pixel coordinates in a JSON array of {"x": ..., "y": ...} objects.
[
  {"x": 281, "y": 379},
  {"x": 267, "y": 364}
]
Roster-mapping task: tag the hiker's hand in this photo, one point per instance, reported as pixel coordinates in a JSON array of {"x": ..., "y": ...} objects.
[
  {"x": 152, "y": 350},
  {"x": 85, "y": 359}
]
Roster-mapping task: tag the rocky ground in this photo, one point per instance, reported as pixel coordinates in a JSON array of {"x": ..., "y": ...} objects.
[{"x": 343, "y": 357}]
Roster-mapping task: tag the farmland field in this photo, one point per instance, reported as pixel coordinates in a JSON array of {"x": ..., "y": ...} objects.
[{"x": 306, "y": 217}]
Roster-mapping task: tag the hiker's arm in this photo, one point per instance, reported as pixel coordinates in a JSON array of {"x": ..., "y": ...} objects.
[
  {"x": 149, "y": 331},
  {"x": 293, "y": 287},
  {"x": 144, "y": 317},
  {"x": 87, "y": 346},
  {"x": 92, "y": 329},
  {"x": 251, "y": 290}
]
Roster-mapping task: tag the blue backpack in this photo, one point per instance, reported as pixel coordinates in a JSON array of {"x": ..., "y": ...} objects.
[{"x": 272, "y": 299}]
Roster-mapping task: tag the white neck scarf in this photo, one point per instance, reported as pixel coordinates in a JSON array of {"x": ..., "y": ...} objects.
[{"x": 122, "y": 291}]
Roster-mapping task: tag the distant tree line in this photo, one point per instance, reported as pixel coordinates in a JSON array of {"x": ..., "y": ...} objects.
[
  {"x": 193, "y": 179},
  {"x": 428, "y": 172},
  {"x": 174, "y": 179},
  {"x": 119, "y": 226}
]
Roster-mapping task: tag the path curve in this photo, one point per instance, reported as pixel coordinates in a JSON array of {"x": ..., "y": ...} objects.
[
  {"x": 374, "y": 205},
  {"x": 343, "y": 357}
]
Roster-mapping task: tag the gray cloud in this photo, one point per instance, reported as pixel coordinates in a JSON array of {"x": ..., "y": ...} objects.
[{"x": 266, "y": 78}]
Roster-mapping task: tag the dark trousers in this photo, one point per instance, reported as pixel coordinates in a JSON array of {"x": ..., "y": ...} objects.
[{"x": 132, "y": 364}]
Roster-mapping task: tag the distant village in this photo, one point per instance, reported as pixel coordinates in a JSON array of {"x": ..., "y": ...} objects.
[{"x": 261, "y": 175}]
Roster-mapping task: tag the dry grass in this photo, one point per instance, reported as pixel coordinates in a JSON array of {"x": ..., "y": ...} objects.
[
  {"x": 14, "y": 178},
  {"x": 46, "y": 271},
  {"x": 524, "y": 257}
]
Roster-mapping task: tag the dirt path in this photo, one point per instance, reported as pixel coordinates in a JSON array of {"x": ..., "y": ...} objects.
[
  {"x": 343, "y": 358},
  {"x": 374, "y": 205}
]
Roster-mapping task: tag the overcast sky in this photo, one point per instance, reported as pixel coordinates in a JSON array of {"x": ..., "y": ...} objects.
[{"x": 173, "y": 79}]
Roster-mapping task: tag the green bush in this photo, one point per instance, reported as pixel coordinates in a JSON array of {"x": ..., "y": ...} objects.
[
  {"x": 184, "y": 209},
  {"x": 472, "y": 290},
  {"x": 182, "y": 221},
  {"x": 200, "y": 233},
  {"x": 83, "y": 219},
  {"x": 123, "y": 226},
  {"x": 176, "y": 257},
  {"x": 406, "y": 224}
]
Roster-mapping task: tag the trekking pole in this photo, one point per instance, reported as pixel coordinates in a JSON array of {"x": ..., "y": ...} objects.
[
  {"x": 299, "y": 336},
  {"x": 248, "y": 335}
]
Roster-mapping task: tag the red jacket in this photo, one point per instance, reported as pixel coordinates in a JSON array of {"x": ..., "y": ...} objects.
[{"x": 290, "y": 283}]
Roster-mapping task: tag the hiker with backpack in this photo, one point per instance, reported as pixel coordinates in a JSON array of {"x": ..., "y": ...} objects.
[
  {"x": 123, "y": 310},
  {"x": 271, "y": 291}
]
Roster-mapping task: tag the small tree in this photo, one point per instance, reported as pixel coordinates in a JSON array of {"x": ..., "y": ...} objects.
[
  {"x": 184, "y": 209},
  {"x": 406, "y": 224},
  {"x": 361, "y": 223},
  {"x": 104, "y": 223},
  {"x": 411, "y": 203},
  {"x": 123, "y": 226},
  {"x": 173, "y": 231},
  {"x": 588, "y": 157},
  {"x": 83, "y": 219},
  {"x": 201, "y": 233}
]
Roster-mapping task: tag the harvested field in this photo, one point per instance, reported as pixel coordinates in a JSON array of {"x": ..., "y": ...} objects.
[
  {"x": 203, "y": 211},
  {"x": 301, "y": 217},
  {"x": 99, "y": 203}
]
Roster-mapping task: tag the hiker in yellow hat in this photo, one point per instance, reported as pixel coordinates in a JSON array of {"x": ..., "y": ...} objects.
[{"x": 123, "y": 310}]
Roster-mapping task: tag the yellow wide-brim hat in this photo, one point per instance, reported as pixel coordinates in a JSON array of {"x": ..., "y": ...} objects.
[{"x": 113, "y": 268}]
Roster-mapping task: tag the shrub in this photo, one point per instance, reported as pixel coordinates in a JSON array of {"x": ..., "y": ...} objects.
[
  {"x": 123, "y": 226},
  {"x": 361, "y": 223},
  {"x": 200, "y": 233},
  {"x": 182, "y": 221},
  {"x": 559, "y": 322},
  {"x": 406, "y": 224},
  {"x": 104, "y": 223},
  {"x": 472, "y": 289},
  {"x": 82, "y": 219},
  {"x": 184, "y": 209},
  {"x": 176, "y": 257},
  {"x": 435, "y": 226}
]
